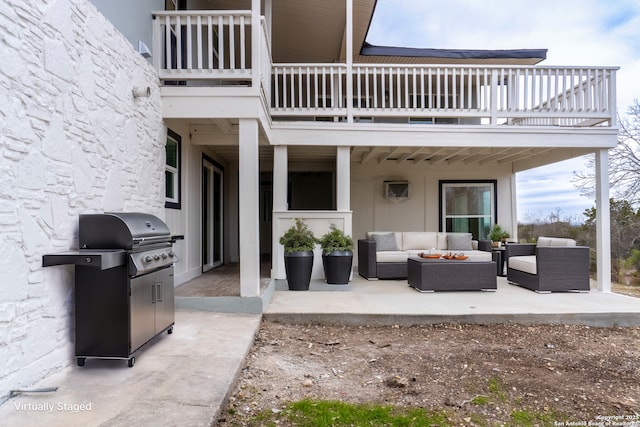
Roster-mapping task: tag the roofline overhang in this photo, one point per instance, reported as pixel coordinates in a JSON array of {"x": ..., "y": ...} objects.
[{"x": 537, "y": 55}]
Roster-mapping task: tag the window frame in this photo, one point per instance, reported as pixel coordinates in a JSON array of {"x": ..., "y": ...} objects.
[
  {"x": 443, "y": 184},
  {"x": 176, "y": 201}
]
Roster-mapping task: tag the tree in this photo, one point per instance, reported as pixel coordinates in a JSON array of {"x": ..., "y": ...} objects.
[
  {"x": 625, "y": 232},
  {"x": 624, "y": 161},
  {"x": 555, "y": 224}
]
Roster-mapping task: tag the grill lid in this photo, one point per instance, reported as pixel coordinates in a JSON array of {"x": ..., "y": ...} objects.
[{"x": 120, "y": 230}]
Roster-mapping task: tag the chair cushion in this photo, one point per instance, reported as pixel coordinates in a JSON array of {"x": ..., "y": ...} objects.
[
  {"x": 385, "y": 242},
  {"x": 525, "y": 263},
  {"x": 412, "y": 240},
  {"x": 459, "y": 242},
  {"x": 555, "y": 241}
]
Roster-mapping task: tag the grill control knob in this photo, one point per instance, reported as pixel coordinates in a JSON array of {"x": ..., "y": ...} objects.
[
  {"x": 171, "y": 254},
  {"x": 156, "y": 257},
  {"x": 146, "y": 259},
  {"x": 163, "y": 255}
]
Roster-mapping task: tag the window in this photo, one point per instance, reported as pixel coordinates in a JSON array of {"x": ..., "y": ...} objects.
[
  {"x": 172, "y": 170},
  {"x": 468, "y": 207},
  {"x": 312, "y": 190}
]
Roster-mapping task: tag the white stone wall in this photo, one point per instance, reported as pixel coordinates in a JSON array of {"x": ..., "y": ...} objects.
[{"x": 72, "y": 140}]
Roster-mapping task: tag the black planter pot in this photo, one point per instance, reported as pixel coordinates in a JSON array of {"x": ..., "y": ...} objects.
[
  {"x": 337, "y": 267},
  {"x": 298, "y": 266}
]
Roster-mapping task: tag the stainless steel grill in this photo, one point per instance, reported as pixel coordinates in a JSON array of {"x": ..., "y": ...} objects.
[{"x": 123, "y": 286}]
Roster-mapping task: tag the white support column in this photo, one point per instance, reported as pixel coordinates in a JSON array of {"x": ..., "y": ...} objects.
[
  {"x": 280, "y": 180},
  {"x": 494, "y": 97},
  {"x": 603, "y": 221},
  {"x": 280, "y": 177},
  {"x": 612, "y": 99},
  {"x": 514, "y": 209},
  {"x": 249, "y": 216},
  {"x": 255, "y": 45},
  {"x": 349, "y": 58},
  {"x": 268, "y": 17},
  {"x": 343, "y": 178}
]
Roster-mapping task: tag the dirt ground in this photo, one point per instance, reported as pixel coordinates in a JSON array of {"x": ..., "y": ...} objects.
[{"x": 478, "y": 374}]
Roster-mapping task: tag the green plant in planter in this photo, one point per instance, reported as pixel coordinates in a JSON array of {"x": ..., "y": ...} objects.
[
  {"x": 335, "y": 240},
  {"x": 298, "y": 242},
  {"x": 498, "y": 234},
  {"x": 298, "y": 238},
  {"x": 337, "y": 256}
]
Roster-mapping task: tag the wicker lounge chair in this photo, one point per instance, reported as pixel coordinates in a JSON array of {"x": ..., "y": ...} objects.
[{"x": 551, "y": 265}]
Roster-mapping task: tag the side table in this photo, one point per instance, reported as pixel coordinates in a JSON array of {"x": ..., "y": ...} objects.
[{"x": 498, "y": 255}]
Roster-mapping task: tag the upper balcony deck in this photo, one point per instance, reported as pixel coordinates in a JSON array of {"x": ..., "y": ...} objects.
[{"x": 215, "y": 49}]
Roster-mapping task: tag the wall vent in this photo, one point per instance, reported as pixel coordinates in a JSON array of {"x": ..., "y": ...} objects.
[{"x": 396, "y": 191}]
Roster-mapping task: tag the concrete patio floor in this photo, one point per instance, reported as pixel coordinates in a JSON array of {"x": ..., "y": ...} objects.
[
  {"x": 391, "y": 302},
  {"x": 182, "y": 379}
]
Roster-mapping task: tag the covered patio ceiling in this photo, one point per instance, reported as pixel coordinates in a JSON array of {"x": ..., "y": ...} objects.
[
  {"x": 221, "y": 136},
  {"x": 516, "y": 159}
]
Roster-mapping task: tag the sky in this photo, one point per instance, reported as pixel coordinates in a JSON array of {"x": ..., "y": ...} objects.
[{"x": 575, "y": 32}]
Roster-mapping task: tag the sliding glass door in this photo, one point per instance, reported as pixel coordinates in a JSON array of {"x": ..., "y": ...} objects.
[
  {"x": 212, "y": 215},
  {"x": 468, "y": 207}
]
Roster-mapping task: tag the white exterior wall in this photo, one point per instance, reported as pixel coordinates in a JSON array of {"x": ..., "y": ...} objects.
[
  {"x": 72, "y": 140},
  {"x": 371, "y": 211}
]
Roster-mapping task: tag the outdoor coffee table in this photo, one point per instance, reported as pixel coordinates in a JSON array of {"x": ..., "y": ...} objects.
[{"x": 428, "y": 275}]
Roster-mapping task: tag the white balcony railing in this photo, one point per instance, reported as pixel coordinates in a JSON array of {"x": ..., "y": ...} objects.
[
  {"x": 213, "y": 48},
  {"x": 577, "y": 95},
  {"x": 203, "y": 45}
]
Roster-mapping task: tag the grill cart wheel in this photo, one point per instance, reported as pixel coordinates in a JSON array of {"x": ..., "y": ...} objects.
[
  {"x": 81, "y": 361},
  {"x": 131, "y": 362},
  {"x": 170, "y": 330}
]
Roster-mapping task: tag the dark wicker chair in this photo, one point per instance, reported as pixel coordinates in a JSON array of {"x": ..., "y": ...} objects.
[{"x": 558, "y": 268}]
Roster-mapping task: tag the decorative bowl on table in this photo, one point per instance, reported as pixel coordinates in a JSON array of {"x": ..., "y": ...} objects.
[
  {"x": 430, "y": 256},
  {"x": 458, "y": 257}
]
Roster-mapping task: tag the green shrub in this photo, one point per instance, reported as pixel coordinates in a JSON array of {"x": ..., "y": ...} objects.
[
  {"x": 497, "y": 233},
  {"x": 335, "y": 240},
  {"x": 298, "y": 238}
]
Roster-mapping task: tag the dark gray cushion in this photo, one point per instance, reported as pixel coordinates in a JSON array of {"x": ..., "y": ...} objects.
[
  {"x": 459, "y": 242},
  {"x": 385, "y": 242}
]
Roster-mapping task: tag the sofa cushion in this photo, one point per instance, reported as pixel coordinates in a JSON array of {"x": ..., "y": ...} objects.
[
  {"x": 525, "y": 263},
  {"x": 392, "y": 256},
  {"x": 385, "y": 242},
  {"x": 412, "y": 240},
  {"x": 442, "y": 241},
  {"x": 555, "y": 241},
  {"x": 459, "y": 242},
  {"x": 477, "y": 255}
]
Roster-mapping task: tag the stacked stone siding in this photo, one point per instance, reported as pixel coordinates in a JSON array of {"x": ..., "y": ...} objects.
[{"x": 73, "y": 140}]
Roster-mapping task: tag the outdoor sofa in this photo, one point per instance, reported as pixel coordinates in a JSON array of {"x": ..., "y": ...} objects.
[
  {"x": 383, "y": 255},
  {"x": 550, "y": 265}
]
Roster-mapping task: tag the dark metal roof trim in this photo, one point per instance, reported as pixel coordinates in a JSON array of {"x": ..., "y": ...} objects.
[{"x": 371, "y": 50}]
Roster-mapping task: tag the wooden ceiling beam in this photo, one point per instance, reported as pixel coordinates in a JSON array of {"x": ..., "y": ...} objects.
[
  {"x": 370, "y": 154},
  {"x": 390, "y": 154},
  {"x": 426, "y": 156}
]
